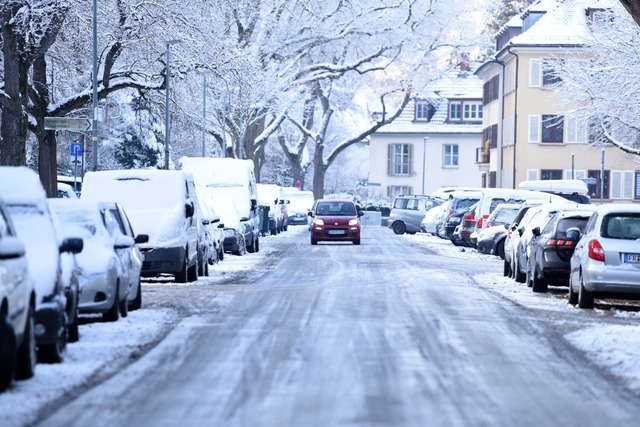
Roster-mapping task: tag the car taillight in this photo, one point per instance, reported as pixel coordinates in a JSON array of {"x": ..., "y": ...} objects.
[
  {"x": 560, "y": 242},
  {"x": 450, "y": 212},
  {"x": 595, "y": 250},
  {"x": 468, "y": 217},
  {"x": 483, "y": 217}
]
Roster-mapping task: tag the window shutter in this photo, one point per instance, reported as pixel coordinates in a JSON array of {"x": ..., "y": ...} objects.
[
  {"x": 616, "y": 184},
  {"x": 535, "y": 72},
  {"x": 627, "y": 189},
  {"x": 534, "y": 128},
  {"x": 533, "y": 174},
  {"x": 390, "y": 160},
  {"x": 572, "y": 129},
  {"x": 410, "y": 171}
]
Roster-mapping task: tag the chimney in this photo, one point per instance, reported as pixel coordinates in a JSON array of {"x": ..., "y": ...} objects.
[{"x": 464, "y": 62}]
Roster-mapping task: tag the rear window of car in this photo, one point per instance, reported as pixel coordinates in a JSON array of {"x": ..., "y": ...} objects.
[
  {"x": 505, "y": 216},
  {"x": 621, "y": 226},
  {"x": 465, "y": 203},
  {"x": 407, "y": 203},
  {"x": 567, "y": 223}
]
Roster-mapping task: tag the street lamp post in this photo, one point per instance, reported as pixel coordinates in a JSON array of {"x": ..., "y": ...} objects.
[
  {"x": 167, "y": 136},
  {"x": 204, "y": 112},
  {"x": 94, "y": 100},
  {"x": 424, "y": 161}
]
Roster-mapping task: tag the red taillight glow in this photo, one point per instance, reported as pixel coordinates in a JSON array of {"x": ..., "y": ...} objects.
[
  {"x": 483, "y": 217},
  {"x": 450, "y": 212},
  {"x": 595, "y": 250},
  {"x": 468, "y": 217},
  {"x": 560, "y": 242}
]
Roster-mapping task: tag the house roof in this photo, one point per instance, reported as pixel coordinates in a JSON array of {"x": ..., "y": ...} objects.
[{"x": 454, "y": 84}]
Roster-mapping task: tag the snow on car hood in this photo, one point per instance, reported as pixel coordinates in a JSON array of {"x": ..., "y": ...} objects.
[{"x": 165, "y": 227}]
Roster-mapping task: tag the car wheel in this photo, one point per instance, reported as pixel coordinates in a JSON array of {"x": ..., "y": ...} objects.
[
  {"x": 356, "y": 242},
  {"x": 506, "y": 269},
  {"x": 253, "y": 247},
  {"x": 123, "y": 306},
  {"x": 313, "y": 241},
  {"x": 113, "y": 313},
  {"x": 27, "y": 355},
  {"x": 192, "y": 272},
  {"x": 7, "y": 352},
  {"x": 137, "y": 301},
  {"x": 221, "y": 254},
  {"x": 573, "y": 296},
  {"x": 500, "y": 249},
  {"x": 519, "y": 276},
  {"x": 181, "y": 276},
  {"x": 73, "y": 328},
  {"x": 538, "y": 284},
  {"x": 201, "y": 263},
  {"x": 585, "y": 298},
  {"x": 54, "y": 352},
  {"x": 399, "y": 227}
]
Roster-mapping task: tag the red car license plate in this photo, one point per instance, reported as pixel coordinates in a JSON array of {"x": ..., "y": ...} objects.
[
  {"x": 336, "y": 232},
  {"x": 632, "y": 258}
]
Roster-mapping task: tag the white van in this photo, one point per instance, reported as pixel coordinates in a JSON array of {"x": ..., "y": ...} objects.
[
  {"x": 300, "y": 203},
  {"x": 233, "y": 179},
  {"x": 575, "y": 190},
  {"x": 161, "y": 204}
]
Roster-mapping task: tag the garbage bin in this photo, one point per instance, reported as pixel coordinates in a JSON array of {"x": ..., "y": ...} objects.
[{"x": 263, "y": 215}]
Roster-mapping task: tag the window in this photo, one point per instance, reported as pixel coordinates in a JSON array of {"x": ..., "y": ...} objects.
[
  {"x": 472, "y": 111},
  {"x": 399, "y": 159},
  {"x": 399, "y": 190},
  {"x": 547, "y": 174},
  {"x": 491, "y": 90},
  {"x": 552, "y": 128},
  {"x": 450, "y": 156},
  {"x": 594, "y": 189},
  {"x": 549, "y": 74},
  {"x": 622, "y": 184},
  {"x": 422, "y": 110},
  {"x": 542, "y": 73},
  {"x": 455, "y": 110}
]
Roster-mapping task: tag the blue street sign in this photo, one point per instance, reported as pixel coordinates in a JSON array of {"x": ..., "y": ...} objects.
[
  {"x": 76, "y": 149},
  {"x": 590, "y": 181}
]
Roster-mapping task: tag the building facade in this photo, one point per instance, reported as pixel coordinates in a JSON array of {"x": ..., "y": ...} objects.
[
  {"x": 433, "y": 143},
  {"x": 529, "y": 133}
]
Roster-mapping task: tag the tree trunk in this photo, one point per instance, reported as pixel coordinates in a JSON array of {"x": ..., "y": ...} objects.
[
  {"x": 47, "y": 146},
  {"x": 319, "y": 172},
  {"x": 633, "y": 7},
  {"x": 14, "y": 124}
]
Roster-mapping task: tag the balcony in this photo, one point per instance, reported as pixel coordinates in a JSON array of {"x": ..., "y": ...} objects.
[{"x": 482, "y": 156}]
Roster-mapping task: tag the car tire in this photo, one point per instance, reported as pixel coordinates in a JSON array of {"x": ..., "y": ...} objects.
[
  {"x": 399, "y": 227},
  {"x": 573, "y": 296},
  {"x": 27, "y": 355},
  {"x": 257, "y": 244},
  {"x": 7, "y": 352},
  {"x": 518, "y": 275},
  {"x": 221, "y": 254},
  {"x": 585, "y": 298},
  {"x": 136, "y": 304},
  {"x": 54, "y": 352},
  {"x": 123, "y": 307},
  {"x": 113, "y": 314},
  {"x": 73, "y": 326},
  {"x": 192, "y": 272},
  {"x": 500, "y": 249},
  {"x": 356, "y": 242},
  {"x": 538, "y": 284},
  {"x": 201, "y": 263},
  {"x": 313, "y": 241},
  {"x": 506, "y": 269},
  {"x": 181, "y": 276},
  {"x": 253, "y": 246}
]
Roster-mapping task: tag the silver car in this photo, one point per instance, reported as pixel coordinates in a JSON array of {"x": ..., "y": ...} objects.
[
  {"x": 408, "y": 211},
  {"x": 606, "y": 262}
]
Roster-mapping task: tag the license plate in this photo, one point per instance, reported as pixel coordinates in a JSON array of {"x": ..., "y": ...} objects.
[
  {"x": 336, "y": 232},
  {"x": 632, "y": 258}
]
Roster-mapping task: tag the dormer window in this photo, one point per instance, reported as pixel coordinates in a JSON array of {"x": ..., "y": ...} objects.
[
  {"x": 424, "y": 111},
  {"x": 465, "y": 110},
  {"x": 599, "y": 15}
]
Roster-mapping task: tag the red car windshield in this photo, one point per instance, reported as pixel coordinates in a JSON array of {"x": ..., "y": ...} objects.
[{"x": 335, "y": 209}]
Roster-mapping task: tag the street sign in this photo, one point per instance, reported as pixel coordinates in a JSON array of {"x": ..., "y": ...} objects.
[
  {"x": 374, "y": 184},
  {"x": 68, "y": 123},
  {"x": 76, "y": 149},
  {"x": 590, "y": 181}
]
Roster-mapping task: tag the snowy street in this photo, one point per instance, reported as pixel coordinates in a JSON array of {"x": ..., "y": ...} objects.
[{"x": 402, "y": 330}]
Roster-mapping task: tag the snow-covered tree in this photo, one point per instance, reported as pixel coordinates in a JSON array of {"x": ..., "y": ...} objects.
[
  {"x": 600, "y": 86},
  {"x": 633, "y": 7}
]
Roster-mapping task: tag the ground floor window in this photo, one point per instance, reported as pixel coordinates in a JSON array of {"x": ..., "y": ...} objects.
[
  {"x": 547, "y": 174},
  {"x": 594, "y": 189}
]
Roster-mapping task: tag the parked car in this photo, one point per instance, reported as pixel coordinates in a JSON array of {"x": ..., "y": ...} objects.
[
  {"x": 464, "y": 220},
  {"x": 65, "y": 191},
  {"x": 215, "y": 227},
  {"x": 50, "y": 258},
  {"x": 234, "y": 231},
  {"x": 432, "y": 220},
  {"x": 550, "y": 249},
  {"x": 574, "y": 190},
  {"x": 130, "y": 256},
  {"x": 270, "y": 195},
  {"x": 458, "y": 204},
  {"x": 17, "y": 306},
  {"x": 104, "y": 277},
  {"x": 407, "y": 213},
  {"x": 335, "y": 220},
  {"x": 491, "y": 239},
  {"x": 299, "y": 204},
  {"x": 160, "y": 204},
  {"x": 537, "y": 216},
  {"x": 606, "y": 261}
]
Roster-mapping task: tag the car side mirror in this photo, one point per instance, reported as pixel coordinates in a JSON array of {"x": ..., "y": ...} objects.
[
  {"x": 520, "y": 231},
  {"x": 310, "y": 214},
  {"x": 11, "y": 247},
  {"x": 535, "y": 231},
  {"x": 506, "y": 226},
  {"x": 189, "y": 210},
  {"x": 573, "y": 233},
  {"x": 221, "y": 225},
  {"x": 141, "y": 238},
  {"x": 360, "y": 213},
  {"x": 72, "y": 244}
]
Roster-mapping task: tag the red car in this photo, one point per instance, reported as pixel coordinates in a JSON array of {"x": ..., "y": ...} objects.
[{"x": 335, "y": 220}]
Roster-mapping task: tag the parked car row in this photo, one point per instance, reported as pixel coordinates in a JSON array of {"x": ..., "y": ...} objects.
[{"x": 60, "y": 258}]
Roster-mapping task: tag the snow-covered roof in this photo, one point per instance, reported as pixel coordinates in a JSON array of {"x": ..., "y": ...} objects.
[
  {"x": 565, "y": 22},
  {"x": 454, "y": 84}
]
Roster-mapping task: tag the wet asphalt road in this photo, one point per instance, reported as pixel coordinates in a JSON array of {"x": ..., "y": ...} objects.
[{"x": 381, "y": 334}]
